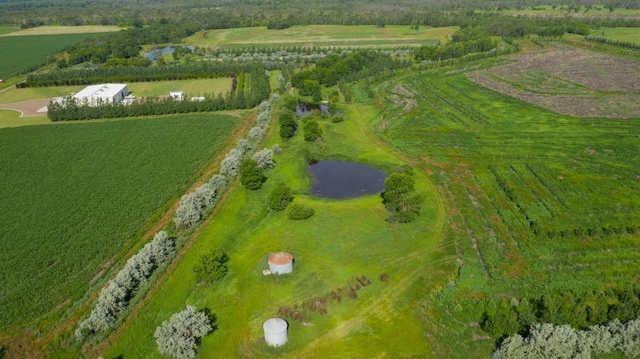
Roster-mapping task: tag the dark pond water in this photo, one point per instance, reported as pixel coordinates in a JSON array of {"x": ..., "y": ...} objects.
[
  {"x": 165, "y": 50},
  {"x": 306, "y": 108},
  {"x": 338, "y": 179}
]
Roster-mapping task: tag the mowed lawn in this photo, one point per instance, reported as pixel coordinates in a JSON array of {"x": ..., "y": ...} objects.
[
  {"x": 73, "y": 197},
  {"x": 321, "y": 35},
  {"x": 189, "y": 87},
  {"x": 6, "y": 30},
  {"x": 20, "y": 53}
]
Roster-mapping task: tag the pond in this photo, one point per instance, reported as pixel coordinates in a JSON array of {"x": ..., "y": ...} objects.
[
  {"x": 165, "y": 50},
  {"x": 306, "y": 108},
  {"x": 339, "y": 179}
]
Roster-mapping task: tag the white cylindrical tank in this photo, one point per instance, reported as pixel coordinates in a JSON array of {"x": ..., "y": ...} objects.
[
  {"x": 281, "y": 263},
  {"x": 275, "y": 332}
]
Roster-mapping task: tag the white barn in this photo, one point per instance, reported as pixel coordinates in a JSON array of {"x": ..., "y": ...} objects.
[{"x": 102, "y": 93}]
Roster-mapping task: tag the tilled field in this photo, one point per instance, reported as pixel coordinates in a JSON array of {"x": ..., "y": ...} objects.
[{"x": 569, "y": 81}]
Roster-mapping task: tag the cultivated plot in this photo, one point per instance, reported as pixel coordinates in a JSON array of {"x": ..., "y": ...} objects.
[{"x": 569, "y": 81}]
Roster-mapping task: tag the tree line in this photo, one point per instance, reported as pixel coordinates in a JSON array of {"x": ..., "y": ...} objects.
[
  {"x": 70, "y": 109},
  {"x": 87, "y": 76}
]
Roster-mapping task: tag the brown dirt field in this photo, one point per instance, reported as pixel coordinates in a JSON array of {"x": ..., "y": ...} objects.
[
  {"x": 27, "y": 108},
  {"x": 569, "y": 81}
]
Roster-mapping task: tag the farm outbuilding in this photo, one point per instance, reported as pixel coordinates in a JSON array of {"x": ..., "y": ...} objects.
[
  {"x": 281, "y": 263},
  {"x": 103, "y": 93},
  {"x": 275, "y": 332}
]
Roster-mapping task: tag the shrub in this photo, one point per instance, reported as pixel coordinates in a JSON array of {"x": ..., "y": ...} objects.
[
  {"x": 312, "y": 130},
  {"x": 265, "y": 106},
  {"x": 256, "y": 133},
  {"x": 207, "y": 193},
  {"x": 288, "y": 125},
  {"x": 219, "y": 182},
  {"x": 177, "y": 337},
  {"x": 210, "y": 266},
  {"x": 264, "y": 117},
  {"x": 230, "y": 165},
  {"x": 276, "y": 149},
  {"x": 243, "y": 146},
  {"x": 192, "y": 206},
  {"x": 279, "y": 198},
  {"x": 264, "y": 158},
  {"x": 251, "y": 174},
  {"x": 337, "y": 118},
  {"x": 299, "y": 211}
]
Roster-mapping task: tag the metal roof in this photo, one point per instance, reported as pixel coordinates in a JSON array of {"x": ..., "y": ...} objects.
[
  {"x": 100, "y": 91},
  {"x": 280, "y": 258}
]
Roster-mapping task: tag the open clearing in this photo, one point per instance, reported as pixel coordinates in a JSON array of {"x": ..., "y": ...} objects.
[
  {"x": 189, "y": 87},
  {"x": 74, "y": 196},
  {"x": 345, "y": 241},
  {"x": 321, "y": 35},
  {"x": 569, "y": 81},
  {"x": 6, "y": 30},
  {"x": 11, "y": 118},
  {"x": 629, "y": 34},
  {"x": 59, "y": 30}
]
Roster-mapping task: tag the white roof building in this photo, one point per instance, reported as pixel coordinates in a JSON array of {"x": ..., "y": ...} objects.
[{"x": 102, "y": 93}]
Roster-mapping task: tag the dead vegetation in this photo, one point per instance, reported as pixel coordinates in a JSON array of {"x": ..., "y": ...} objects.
[{"x": 569, "y": 81}]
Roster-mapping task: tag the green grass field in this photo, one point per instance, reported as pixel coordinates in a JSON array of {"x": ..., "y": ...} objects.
[
  {"x": 345, "y": 239},
  {"x": 537, "y": 202},
  {"x": 20, "y": 53},
  {"x": 10, "y": 118},
  {"x": 189, "y": 87},
  {"x": 597, "y": 11},
  {"x": 35, "y": 93},
  {"x": 630, "y": 34},
  {"x": 321, "y": 35},
  {"x": 6, "y": 30},
  {"x": 74, "y": 196}
]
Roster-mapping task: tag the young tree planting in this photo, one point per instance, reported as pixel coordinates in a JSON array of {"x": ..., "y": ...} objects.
[
  {"x": 210, "y": 266},
  {"x": 176, "y": 337}
]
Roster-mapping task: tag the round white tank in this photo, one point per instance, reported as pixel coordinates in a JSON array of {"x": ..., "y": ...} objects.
[
  {"x": 275, "y": 332},
  {"x": 281, "y": 263}
]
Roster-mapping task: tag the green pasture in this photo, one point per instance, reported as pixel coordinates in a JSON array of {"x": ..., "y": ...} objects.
[
  {"x": 75, "y": 195},
  {"x": 345, "y": 239},
  {"x": 20, "y": 53},
  {"x": 59, "y": 30},
  {"x": 6, "y": 30},
  {"x": 10, "y": 118},
  {"x": 35, "y": 93},
  {"x": 321, "y": 35},
  {"x": 629, "y": 34},
  {"x": 189, "y": 87},
  {"x": 537, "y": 202}
]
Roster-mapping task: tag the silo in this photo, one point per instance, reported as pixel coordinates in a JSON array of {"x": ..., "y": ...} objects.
[
  {"x": 281, "y": 263},
  {"x": 275, "y": 332}
]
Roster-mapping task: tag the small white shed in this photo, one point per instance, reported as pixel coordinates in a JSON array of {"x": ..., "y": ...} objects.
[
  {"x": 275, "y": 332},
  {"x": 281, "y": 263}
]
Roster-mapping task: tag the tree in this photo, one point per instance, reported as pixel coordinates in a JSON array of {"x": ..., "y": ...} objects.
[
  {"x": 177, "y": 337},
  {"x": 311, "y": 130},
  {"x": 279, "y": 198},
  {"x": 210, "y": 266},
  {"x": 288, "y": 125},
  {"x": 264, "y": 158},
  {"x": 251, "y": 174},
  {"x": 399, "y": 198}
]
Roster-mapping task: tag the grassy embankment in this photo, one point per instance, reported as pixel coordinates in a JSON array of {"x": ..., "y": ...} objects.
[
  {"x": 345, "y": 239},
  {"x": 75, "y": 196},
  {"x": 321, "y": 35},
  {"x": 507, "y": 170}
]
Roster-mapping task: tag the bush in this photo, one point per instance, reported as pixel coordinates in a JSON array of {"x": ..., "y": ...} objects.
[
  {"x": 276, "y": 149},
  {"x": 279, "y": 198},
  {"x": 243, "y": 146},
  {"x": 251, "y": 174},
  {"x": 337, "y": 118},
  {"x": 288, "y": 125},
  {"x": 230, "y": 165},
  {"x": 299, "y": 211},
  {"x": 210, "y": 266},
  {"x": 256, "y": 133},
  {"x": 312, "y": 130},
  {"x": 219, "y": 182},
  {"x": 177, "y": 337},
  {"x": 264, "y": 158},
  {"x": 190, "y": 211}
]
